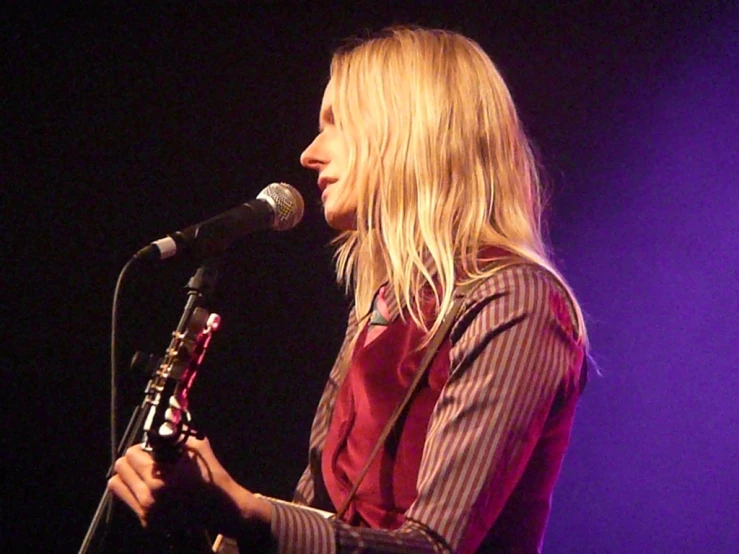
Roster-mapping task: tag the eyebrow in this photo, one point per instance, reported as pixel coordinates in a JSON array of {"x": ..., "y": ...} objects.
[{"x": 326, "y": 117}]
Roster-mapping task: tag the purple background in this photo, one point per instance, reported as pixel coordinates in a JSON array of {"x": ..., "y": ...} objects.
[{"x": 124, "y": 123}]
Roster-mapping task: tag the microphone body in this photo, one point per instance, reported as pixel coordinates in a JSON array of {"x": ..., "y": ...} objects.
[{"x": 279, "y": 206}]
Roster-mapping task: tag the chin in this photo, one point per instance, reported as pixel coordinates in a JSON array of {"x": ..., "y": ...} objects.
[{"x": 340, "y": 221}]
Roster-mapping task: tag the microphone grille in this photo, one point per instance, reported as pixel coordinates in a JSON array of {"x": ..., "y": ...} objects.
[{"x": 287, "y": 204}]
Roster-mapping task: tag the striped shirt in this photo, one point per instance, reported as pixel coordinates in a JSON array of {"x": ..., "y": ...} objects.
[{"x": 496, "y": 438}]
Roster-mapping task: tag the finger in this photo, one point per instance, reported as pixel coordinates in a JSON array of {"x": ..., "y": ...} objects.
[
  {"x": 144, "y": 466},
  {"x": 194, "y": 442},
  {"x": 131, "y": 478},
  {"x": 119, "y": 489},
  {"x": 200, "y": 453}
]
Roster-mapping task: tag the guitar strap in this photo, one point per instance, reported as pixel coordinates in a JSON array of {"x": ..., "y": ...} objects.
[{"x": 460, "y": 294}]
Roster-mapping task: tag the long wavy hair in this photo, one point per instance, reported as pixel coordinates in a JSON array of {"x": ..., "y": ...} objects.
[{"x": 441, "y": 167}]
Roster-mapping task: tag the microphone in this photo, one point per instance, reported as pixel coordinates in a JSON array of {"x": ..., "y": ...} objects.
[{"x": 279, "y": 206}]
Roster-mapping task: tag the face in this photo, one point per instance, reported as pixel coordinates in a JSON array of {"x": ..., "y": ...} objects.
[{"x": 328, "y": 155}]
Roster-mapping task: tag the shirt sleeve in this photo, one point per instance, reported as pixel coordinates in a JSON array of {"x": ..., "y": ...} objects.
[
  {"x": 300, "y": 530},
  {"x": 511, "y": 348}
]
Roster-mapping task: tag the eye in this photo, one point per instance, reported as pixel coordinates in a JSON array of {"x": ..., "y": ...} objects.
[{"x": 326, "y": 118}]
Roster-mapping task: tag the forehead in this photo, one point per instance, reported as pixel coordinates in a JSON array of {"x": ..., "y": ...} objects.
[
  {"x": 326, "y": 115},
  {"x": 328, "y": 95}
]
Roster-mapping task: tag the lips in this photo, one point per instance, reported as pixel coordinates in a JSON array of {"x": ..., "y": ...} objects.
[{"x": 324, "y": 182}]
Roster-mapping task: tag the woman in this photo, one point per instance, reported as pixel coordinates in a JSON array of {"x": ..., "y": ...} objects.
[{"x": 426, "y": 172}]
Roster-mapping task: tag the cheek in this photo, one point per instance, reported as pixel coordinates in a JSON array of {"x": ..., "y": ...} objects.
[
  {"x": 340, "y": 150},
  {"x": 344, "y": 156}
]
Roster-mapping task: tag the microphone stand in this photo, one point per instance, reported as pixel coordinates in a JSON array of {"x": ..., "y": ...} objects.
[{"x": 199, "y": 288}]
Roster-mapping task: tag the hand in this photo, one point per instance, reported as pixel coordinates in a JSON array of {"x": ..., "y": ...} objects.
[{"x": 195, "y": 486}]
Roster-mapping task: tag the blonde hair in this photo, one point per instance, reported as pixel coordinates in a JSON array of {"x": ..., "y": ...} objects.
[{"x": 441, "y": 167}]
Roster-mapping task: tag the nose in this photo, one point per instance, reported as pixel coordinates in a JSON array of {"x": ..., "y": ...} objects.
[{"x": 314, "y": 157}]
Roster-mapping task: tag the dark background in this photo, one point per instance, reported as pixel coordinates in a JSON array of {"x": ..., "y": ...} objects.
[{"x": 123, "y": 121}]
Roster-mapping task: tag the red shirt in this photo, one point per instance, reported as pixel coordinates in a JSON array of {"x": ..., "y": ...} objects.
[{"x": 381, "y": 372}]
